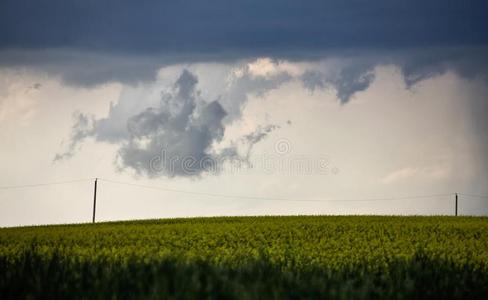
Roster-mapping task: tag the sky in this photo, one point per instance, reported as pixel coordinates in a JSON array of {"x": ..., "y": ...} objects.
[{"x": 196, "y": 108}]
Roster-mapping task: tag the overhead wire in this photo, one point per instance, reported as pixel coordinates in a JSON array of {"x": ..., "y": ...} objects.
[
  {"x": 220, "y": 195},
  {"x": 473, "y": 196},
  {"x": 272, "y": 198},
  {"x": 12, "y": 187}
]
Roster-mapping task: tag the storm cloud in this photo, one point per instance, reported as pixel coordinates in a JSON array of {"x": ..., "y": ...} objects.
[
  {"x": 176, "y": 137},
  {"x": 92, "y": 42},
  {"x": 355, "y": 71},
  {"x": 271, "y": 27},
  {"x": 347, "y": 81},
  {"x": 89, "y": 43}
]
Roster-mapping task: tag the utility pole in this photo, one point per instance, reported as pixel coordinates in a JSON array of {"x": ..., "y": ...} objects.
[
  {"x": 456, "y": 205},
  {"x": 94, "y": 199}
]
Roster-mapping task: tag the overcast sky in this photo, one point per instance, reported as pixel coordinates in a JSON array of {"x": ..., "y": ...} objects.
[{"x": 261, "y": 100}]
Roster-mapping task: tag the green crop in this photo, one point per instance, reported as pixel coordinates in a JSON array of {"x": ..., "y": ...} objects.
[{"x": 249, "y": 257}]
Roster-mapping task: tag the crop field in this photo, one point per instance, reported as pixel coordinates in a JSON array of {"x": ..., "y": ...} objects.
[{"x": 338, "y": 257}]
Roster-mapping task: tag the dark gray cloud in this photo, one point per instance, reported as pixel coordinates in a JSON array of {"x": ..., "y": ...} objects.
[
  {"x": 82, "y": 68},
  {"x": 175, "y": 137},
  {"x": 357, "y": 71},
  {"x": 421, "y": 64},
  {"x": 313, "y": 80},
  {"x": 347, "y": 81},
  {"x": 252, "y": 27},
  {"x": 92, "y": 42},
  {"x": 83, "y": 127},
  {"x": 352, "y": 80}
]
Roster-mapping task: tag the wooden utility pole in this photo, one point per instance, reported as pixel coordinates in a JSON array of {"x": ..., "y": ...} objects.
[
  {"x": 456, "y": 205},
  {"x": 94, "y": 199}
]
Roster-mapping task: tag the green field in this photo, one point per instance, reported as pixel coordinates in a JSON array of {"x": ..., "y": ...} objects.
[{"x": 249, "y": 257}]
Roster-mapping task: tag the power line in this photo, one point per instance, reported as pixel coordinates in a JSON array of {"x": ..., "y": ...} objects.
[
  {"x": 238, "y": 196},
  {"x": 12, "y": 187},
  {"x": 474, "y": 196},
  {"x": 270, "y": 198}
]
